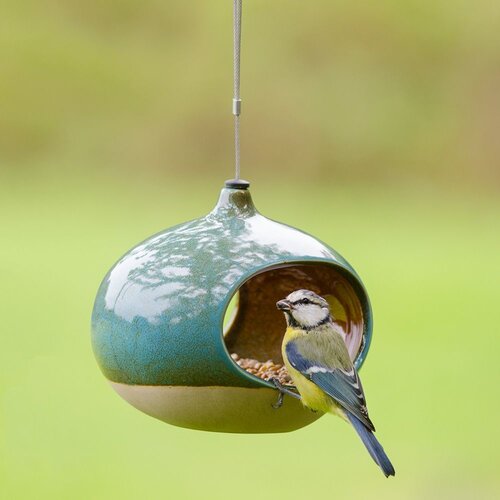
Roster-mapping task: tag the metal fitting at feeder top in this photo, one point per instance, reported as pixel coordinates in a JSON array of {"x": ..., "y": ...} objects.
[{"x": 237, "y": 184}]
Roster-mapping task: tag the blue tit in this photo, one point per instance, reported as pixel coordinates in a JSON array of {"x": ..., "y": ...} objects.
[{"x": 318, "y": 362}]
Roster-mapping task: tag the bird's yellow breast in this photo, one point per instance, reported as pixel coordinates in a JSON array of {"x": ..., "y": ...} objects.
[{"x": 312, "y": 396}]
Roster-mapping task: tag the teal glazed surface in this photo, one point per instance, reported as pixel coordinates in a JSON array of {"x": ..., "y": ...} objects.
[{"x": 158, "y": 315}]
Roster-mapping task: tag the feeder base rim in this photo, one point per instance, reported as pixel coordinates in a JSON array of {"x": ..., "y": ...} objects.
[{"x": 218, "y": 408}]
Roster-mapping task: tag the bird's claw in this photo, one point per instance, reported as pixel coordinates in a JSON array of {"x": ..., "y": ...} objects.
[
  {"x": 282, "y": 391},
  {"x": 276, "y": 384}
]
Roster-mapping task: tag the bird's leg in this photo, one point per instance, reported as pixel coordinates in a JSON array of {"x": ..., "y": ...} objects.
[
  {"x": 283, "y": 390},
  {"x": 279, "y": 402}
]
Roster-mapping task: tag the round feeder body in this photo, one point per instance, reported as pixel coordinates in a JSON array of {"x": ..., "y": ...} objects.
[{"x": 158, "y": 321}]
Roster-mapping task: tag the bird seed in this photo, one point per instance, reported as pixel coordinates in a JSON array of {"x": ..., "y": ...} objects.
[{"x": 265, "y": 370}]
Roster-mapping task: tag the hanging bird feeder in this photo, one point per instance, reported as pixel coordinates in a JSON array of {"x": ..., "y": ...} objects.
[{"x": 160, "y": 330}]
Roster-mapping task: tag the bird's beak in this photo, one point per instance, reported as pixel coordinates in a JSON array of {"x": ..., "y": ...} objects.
[{"x": 283, "y": 305}]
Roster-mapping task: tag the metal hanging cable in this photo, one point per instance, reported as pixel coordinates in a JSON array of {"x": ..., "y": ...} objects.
[{"x": 236, "y": 90}]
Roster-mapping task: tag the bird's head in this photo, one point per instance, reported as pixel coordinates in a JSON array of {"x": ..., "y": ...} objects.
[{"x": 304, "y": 309}]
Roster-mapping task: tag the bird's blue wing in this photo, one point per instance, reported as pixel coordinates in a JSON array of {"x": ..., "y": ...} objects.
[{"x": 343, "y": 386}]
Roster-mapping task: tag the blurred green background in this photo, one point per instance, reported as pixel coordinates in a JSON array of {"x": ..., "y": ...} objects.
[{"x": 373, "y": 126}]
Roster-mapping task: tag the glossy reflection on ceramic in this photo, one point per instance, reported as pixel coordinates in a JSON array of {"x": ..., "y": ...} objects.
[{"x": 158, "y": 315}]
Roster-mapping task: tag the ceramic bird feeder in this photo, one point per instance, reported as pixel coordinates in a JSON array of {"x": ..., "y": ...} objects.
[
  {"x": 160, "y": 329},
  {"x": 158, "y": 321}
]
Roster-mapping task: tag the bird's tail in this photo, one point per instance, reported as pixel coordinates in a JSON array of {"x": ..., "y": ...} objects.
[{"x": 372, "y": 445}]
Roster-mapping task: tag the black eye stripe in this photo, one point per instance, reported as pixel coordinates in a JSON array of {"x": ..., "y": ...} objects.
[{"x": 304, "y": 301}]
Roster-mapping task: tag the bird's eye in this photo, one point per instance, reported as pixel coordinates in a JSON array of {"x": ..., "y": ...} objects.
[{"x": 305, "y": 301}]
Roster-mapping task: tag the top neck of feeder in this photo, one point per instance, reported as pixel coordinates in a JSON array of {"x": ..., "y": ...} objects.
[
  {"x": 235, "y": 200},
  {"x": 237, "y": 184}
]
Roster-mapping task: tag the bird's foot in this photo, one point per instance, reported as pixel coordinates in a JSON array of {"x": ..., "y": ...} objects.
[
  {"x": 282, "y": 391},
  {"x": 279, "y": 402}
]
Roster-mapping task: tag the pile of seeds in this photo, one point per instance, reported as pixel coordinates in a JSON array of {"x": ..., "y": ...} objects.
[{"x": 264, "y": 370}]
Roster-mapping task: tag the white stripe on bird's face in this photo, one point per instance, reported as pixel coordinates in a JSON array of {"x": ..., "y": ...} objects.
[{"x": 305, "y": 309}]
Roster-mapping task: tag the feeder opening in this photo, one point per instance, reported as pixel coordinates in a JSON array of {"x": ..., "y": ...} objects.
[
  {"x": 230, "y": 314},
  {"x": 254, "y": 328}
]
